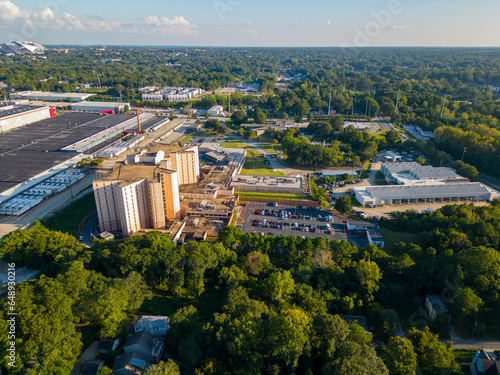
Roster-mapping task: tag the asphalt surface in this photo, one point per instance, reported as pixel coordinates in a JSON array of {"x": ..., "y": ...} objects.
[{"x": 337, "y": 228}]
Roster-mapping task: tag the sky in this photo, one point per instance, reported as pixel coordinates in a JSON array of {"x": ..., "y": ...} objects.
[{"x": 289, "y": 23}]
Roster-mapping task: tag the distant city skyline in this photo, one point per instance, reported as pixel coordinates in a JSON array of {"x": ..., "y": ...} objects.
[{"x": 253, "y": 23}]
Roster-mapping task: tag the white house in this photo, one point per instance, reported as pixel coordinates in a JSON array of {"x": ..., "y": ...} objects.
[
  {"x": 435, "y": 306},
  {"x": 156, "y": 325}
]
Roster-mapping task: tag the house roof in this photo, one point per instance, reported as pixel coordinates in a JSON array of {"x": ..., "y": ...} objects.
[
  {"x": 91, "y": 367},
  {"x": 143, "y": 338},
  {"x": 133, "y": 362},
  {"x": 106, "y": 344},
  {"x": 437, "y": 303},
  {"x": 152, "y": 323}
]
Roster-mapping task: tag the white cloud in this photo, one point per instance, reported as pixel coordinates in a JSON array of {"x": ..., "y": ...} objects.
[
  {"x": 10, "y": 11},
  {"x": 11, "y": 15},
  {"x": 247, "y": 24},
  {"x": 328, "y": 22}
]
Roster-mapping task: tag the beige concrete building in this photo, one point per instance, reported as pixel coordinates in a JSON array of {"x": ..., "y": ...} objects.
[
  {"x": 133, "y": 197},
  {"x": 184, "y": 160},
  {"x": 144, "y": 192}
]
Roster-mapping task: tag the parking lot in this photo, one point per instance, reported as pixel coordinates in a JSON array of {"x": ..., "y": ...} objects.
[{"x": 291, "y": 220}]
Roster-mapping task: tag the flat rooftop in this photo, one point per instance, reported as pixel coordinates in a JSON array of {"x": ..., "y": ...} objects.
[
  {"x": 426, "y": 191},
  {"x": 17, "y": 110},
  {"x": 54, "y": 95},
  {"x": 134, "y": 172},
  {"x": 290, "y": 182},
  {"x": 32, "y": 149}
]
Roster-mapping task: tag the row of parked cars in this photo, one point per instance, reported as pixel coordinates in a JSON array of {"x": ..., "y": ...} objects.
[
  {"x": 338, "y": 184},
  {"x": 264, "y": 223},
  {"x": 285, "y": 215}
]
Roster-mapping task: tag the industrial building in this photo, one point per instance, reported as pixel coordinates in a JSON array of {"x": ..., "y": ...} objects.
[
  {"x": 51, "y": 96},
  {"x": 22, "y": 48},
  {"x": 15, "y": 116},
  {"x": 32, "y": 153},
  {"x": 425, "y": 193},
  {"x": 412, "y": 173},
  {"x": 136, "y": 195},
  {"x": 422, "y": 184},
  {"x": 100, "y": 106},
  {"x": 215, "y": 111},
  {"x": 270, "y": 184}
]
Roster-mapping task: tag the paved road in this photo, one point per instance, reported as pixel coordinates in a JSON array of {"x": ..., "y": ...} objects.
[
  {"x": 475, "y": 344},
  {"x": 89, "y": 230}
]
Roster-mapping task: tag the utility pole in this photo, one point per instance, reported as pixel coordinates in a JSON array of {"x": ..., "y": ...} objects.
[
  {"x": 463, "y": 153},
  {"x": 397, "y": 102},
  {"x": 330, "y": 102},
  {"x": 442, "y": 109}
]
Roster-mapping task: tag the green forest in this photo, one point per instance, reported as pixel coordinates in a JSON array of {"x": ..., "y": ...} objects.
[
  {"x": 250, "y": 304},
  {"x": 409, "y": 85}
]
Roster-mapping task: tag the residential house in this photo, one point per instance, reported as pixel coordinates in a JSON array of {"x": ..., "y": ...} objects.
[
  {"x": 91, "y": 367},
  {"x": 130, "y": 364},
  {"x": 486, "y": 362},
  {"x": 145, "y": 344},
  {"x": 435, "y": 306},
  {"x": 157, "y": 325},
  {"x": 105, "y": 346}
]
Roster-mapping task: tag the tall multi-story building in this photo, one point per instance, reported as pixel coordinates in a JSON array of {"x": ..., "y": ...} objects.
[{"x": 134, "y": 196}]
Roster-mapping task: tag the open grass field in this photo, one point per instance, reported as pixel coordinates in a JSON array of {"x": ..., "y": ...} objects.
[
  {"x": 186, "y": 140},
  {"x": 255, "y": 165},
  {"x": 392, "y": 238},
  {"x": 270, "y": 149},
  {"x": 234, "y": 144},
  {"x": 284, "y": 196},
  {"x": 68, "y": 219}
]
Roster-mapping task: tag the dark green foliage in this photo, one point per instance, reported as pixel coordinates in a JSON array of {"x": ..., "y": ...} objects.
[{"x": 344, "y": 205}]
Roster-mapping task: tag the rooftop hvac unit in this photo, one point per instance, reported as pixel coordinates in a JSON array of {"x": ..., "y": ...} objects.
[{"x": 203, "y": 203}]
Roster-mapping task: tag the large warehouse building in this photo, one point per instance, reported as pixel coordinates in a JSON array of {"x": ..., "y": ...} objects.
[
  {"x": 422, "y": 184},
  {"x": 444, "y": 193},
  {"x": 51, "y": 96},
  {"x": 15, "y": 116},
  {"x": 99, "y": 106},
  {"x": 32, "y": 153}
]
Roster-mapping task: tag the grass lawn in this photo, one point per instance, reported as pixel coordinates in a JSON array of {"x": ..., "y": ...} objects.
[
  {"x": 284, "y": 196},
  {"x": 255, "y": 165},
  {"x": 391, "y": 238},
  {"x": 366, "y": 170},
  {"x": 271, "y": 149},
  {"x": 380, "y": 179},
  {"x": 68, "y": 218},
  {"x": 464, "y": 355},
  {"x": 186, "y": 140},
  {"x": 234, "y": 144}
]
